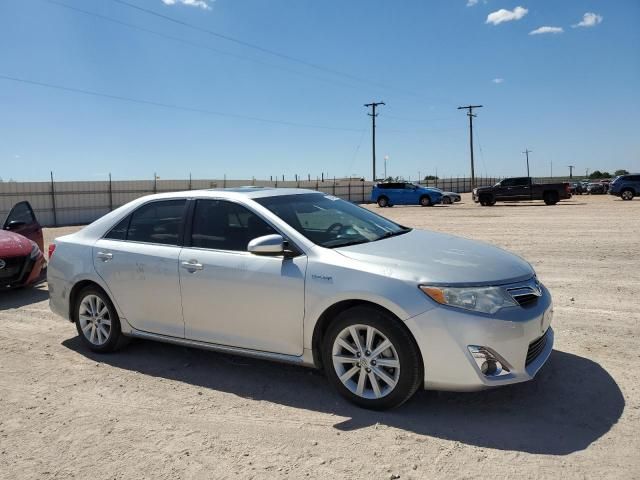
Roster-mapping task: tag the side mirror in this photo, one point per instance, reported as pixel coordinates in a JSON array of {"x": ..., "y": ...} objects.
[
  {"x": 13, "y": 224},
  {"x": 272, "y": 245}
]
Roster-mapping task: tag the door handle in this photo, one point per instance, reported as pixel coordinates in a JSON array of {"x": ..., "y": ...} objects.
[
  {"x": 192, "y": 265},
  {"x": 104, "y": 256}
]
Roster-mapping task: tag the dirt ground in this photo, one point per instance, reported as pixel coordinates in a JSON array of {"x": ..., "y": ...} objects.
[{"x": 160, "y": 411}]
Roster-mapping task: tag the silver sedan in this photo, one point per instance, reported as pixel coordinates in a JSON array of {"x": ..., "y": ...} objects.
[{"x": 303, "y": 277}]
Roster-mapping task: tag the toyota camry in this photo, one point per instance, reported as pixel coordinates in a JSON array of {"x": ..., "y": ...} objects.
[{"x": 302, "y": 277}]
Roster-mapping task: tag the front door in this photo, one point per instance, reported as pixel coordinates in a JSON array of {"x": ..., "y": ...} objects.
[
  {"x": 235, "y": 298},
  {"x": 138, "y": 260},
  {"x": 22, "y": 220}
]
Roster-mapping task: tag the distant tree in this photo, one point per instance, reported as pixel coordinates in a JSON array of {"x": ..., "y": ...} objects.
[
  {"x": 621, "y": 172},
  {"x": 394, "y": 179},
  {"x": 598, "y": 174},
  {"x": 431, "y": 177}
]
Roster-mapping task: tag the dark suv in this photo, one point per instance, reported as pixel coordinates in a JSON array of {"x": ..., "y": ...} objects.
[{"x": 626, "y": 186}]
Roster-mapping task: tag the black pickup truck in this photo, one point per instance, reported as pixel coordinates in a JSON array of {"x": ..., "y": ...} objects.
[{"x": 521, "y": 188}]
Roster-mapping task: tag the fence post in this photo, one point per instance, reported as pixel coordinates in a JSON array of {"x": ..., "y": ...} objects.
[
  {"x": 189, "y": 180},
  {"x": 53, "y": 202},
  {"x": 334, "y": 186},
  {"x": 110, "y": 194},
  {"x": 224, "y": 181},
  {"x": 155, "y": 182},
  {"x": 363, "y": 198},
  {"x": 349, "y": 191}
]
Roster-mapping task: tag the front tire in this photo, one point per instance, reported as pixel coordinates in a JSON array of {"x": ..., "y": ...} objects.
[
  {"x": 383, "y": 202},
  {"x": 97, "y": 321},
  {"x": 446, "y": 201},
  {"x": 371, "y": 359}
]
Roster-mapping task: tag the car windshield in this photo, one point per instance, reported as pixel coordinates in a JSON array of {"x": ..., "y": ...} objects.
[{"x": 329, "y": 221}]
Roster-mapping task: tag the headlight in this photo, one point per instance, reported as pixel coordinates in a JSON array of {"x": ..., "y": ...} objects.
[
  {"x": 35, "y": 251},
  {"x": 479, "y": 299}
]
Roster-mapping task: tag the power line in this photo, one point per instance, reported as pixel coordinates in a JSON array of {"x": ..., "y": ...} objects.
[
  {"x": 471, "y": 116},
  {"x": 253, "y": 46},
  {"x": 373, "y": 116},
  {"x": 194, "y": 44},
  {"x": 172, "y": 106}
]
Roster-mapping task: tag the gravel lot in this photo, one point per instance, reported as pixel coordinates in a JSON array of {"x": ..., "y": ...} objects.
[{"x": 161, "y": 411}]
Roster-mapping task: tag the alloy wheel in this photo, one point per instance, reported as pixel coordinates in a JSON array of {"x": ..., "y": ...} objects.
[
  {"x": 94, "y": 320},
  {"x": 365, "y": 361},
  {"x": 627, "y": 195}
]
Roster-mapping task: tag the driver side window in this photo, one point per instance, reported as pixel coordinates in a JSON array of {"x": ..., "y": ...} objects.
[{"x": 221, "y": 225}]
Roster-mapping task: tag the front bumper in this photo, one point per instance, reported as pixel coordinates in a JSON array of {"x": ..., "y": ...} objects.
[{"x": 444, "y": 334}]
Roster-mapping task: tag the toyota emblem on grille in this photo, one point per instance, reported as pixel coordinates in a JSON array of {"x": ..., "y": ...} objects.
[{"x": 2, "y": 264}]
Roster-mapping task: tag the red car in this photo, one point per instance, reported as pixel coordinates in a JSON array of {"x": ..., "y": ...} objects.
[{"x": 21, "y": 245}]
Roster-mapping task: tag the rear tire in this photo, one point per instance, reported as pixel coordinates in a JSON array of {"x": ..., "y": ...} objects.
[
  {"x": 627, "y": 194},
  {"x": 354, "y": 364},
  {"x": 551, "y": 198},
  {"x": 383, "y": 201},
  {"x": 97, "y": 321},
  {"x": 425, "y": 201}
]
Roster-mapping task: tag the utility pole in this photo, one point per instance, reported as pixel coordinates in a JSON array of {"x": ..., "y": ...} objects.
[
  {"x": 373, "y": 116},
  {"x": 527, "y": 152},
  {"x": 571, "y": 167},
  {"x": 471, "y": 116}
]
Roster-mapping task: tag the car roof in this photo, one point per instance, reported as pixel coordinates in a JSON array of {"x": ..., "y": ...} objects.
[{"x": 234, "y": 192}]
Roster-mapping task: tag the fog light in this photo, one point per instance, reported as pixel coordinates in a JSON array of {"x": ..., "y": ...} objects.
[{"x": 487, "y": 362}]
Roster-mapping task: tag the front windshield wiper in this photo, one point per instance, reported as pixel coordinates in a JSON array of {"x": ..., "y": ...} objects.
[
  {"x": 394, "y": 234},
  {"x": 348, "y": 244}
]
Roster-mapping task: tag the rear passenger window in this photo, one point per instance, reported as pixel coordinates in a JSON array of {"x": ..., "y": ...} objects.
[
  {"x": 157, "y": 222},
  {"x": 119, "y": 232},
  {"x": 221, "y": 225}
]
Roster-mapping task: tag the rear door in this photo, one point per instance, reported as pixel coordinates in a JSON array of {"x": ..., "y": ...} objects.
[
  {"x": 22, "y": 220},
  {"x": 138, "y": 260},
  {"x": 521, "y": 189}
]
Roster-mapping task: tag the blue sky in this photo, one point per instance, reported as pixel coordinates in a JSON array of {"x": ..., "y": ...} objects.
[{"x": 570, "y": 95}]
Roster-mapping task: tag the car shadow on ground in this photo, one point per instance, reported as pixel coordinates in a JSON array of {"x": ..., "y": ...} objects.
[
  {"x": 571, "y": 403},
  {"x": 19, "y": 297}
]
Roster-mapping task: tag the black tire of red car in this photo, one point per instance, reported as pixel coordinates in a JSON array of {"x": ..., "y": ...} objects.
[
  {"x": 551, "y": 198},
  {"x": 383, "y": 201},
  {"x": 116, "y": 339},
  {"x": 627, "y": 194},
  {"x": 411, "y": 366},
  {"x": 425, "y": 201}
]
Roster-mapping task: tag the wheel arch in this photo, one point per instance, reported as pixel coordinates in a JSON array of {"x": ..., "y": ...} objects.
[
  {"x": 77, "y": 288},
  {"x": 331, "y": 312}
]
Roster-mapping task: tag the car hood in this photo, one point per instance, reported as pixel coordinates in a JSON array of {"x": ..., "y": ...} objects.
[
  {"x": 437, "y": 258},
  {"x": 13, "y": 244}
]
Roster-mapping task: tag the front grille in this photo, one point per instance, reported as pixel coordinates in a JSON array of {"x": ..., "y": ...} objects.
[
  {"x": 535, "y": 348},
  {"x": 13, "y": 270}
]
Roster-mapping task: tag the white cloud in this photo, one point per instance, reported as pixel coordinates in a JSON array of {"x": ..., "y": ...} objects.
[
  {"x": 471, "y": 3},
  {"x": 191, "y": 3},
  {"x": 498, "y": 81},
  {"x": 543, "y": 30},
  {"x": 589, "y": 19},
  {"x": 504, "y": 15}
]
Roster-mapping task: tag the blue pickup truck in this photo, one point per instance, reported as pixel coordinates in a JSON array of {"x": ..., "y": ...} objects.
[{"x": 404, "y": 193}]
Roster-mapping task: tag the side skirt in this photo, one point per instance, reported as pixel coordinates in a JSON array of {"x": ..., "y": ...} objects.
[{"x": 305, "y": 360}]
